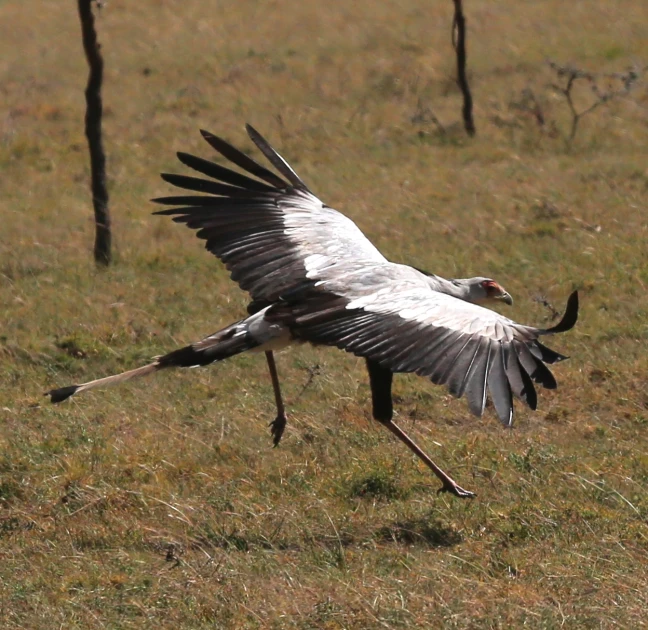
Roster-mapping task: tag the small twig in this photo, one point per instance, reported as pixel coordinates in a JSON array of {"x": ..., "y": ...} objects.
[
  {"x": 312, "y": 373},
  {"x": 425, "y": 115},
  {"x": 459, "y": 44},
  {"x": 529, "y": 103},
  {"x": 541, "y": 299}
]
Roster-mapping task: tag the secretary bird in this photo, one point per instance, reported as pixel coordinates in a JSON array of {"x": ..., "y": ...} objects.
[{"x": 314, "y": 277}]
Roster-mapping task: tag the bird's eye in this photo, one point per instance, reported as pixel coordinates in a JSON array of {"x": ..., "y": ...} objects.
[{"x": 491, "y": 287}]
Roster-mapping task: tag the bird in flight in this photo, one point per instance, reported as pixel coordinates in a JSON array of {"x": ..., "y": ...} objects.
[{"x": 314, "y": 277}]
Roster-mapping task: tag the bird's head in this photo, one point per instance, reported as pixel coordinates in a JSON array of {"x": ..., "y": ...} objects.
[{"x": 481, "y": 290}]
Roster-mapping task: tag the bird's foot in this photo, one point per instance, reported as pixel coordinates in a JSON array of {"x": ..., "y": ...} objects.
[
  {"x": 457, "y": 490},
  {"x": 277, "y": 427}
]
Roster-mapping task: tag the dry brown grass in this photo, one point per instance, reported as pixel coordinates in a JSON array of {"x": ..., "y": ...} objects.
[{"x": 162, "y": 504}]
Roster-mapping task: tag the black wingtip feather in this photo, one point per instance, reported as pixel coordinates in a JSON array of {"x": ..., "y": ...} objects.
[
  {"x": 534, "y": 367},
  {"x": 61, "y": 394},
  {"x": 275, "y": 159},
  {"x": 542, "y": 374},
  {"x": 243, "y": 161},
  {"x": 236, "y": 186},
  {"x": 519, "y": 381},
  {"x": 569, "y": 318},
  {"x": 546, "y": 354},
  {"x": 528, "y": 393}
]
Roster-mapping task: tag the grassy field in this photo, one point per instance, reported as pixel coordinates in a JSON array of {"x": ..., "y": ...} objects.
[{"x": 162, "y": 504}]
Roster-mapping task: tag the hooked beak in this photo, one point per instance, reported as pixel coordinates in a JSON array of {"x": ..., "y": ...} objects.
[{"x": 506, "y": 298}]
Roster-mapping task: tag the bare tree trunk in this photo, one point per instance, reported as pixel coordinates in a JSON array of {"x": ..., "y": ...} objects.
[
  {"x": 102, "y": 246},
  {"x": 459, "y": 44}
]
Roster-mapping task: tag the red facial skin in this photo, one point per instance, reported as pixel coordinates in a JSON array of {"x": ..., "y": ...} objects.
[{"x": 495, "y": 291}]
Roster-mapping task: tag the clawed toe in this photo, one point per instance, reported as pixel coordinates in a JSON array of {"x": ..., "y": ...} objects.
[
  {"x": 458, "y": 491},
  {"x": 277, "y": 427}
]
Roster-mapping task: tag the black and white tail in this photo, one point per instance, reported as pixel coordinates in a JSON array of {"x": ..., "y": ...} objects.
[{"x": 248, "y": 334}]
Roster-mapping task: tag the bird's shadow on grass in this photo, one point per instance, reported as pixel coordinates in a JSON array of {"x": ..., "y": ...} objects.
[{"x": 419, "y": 532}]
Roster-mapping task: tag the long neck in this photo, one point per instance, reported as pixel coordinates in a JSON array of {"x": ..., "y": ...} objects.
[{"x": 460, "y": 290}]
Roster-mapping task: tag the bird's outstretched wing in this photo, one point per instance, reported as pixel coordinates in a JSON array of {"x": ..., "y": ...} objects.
[
  {"x": 331, "y": 286},
  {"x": 470, "y": 349},
  {"x": 271, "y": 232}
]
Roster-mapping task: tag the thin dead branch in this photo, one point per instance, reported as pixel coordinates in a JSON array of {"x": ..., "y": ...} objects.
[
  {"x": 571, "y": 76},
  {"x": 313, "y": 371},
  {"x": 529, "y": 104},
  {"x": 424, "y": 115},
  {"x": 541, "y": 299},
  {"x": 94, "y": 111}
]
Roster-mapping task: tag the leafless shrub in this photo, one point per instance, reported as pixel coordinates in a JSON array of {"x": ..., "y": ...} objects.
[
  {"x": 617, "y": 85},
  {"x": 529, "y": 104},
  {"x": 424, "y": 116}
]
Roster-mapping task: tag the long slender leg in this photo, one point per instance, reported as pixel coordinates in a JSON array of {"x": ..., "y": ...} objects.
[
  {"x": 449, "y": 484},
  {"x": 278, "y": 425},
  {"x": 381, "y": 381}
]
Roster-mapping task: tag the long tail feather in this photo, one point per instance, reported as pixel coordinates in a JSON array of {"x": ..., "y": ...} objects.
[
  {"x": 247, "y": 334},
  {"x": 63, "y": 393}
]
